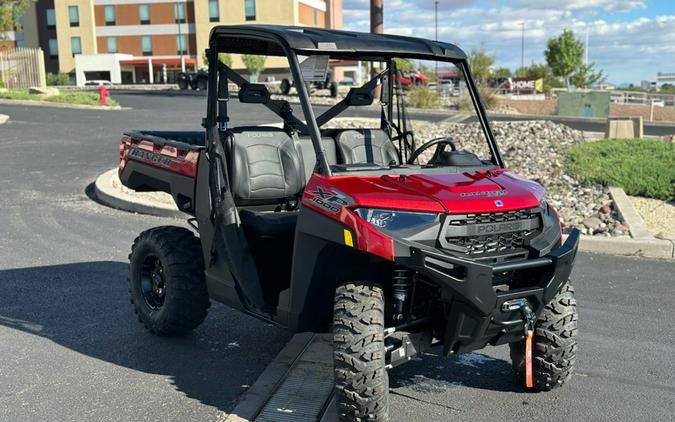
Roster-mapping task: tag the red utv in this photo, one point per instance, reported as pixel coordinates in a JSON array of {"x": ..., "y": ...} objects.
[{"x": 394, "y": 247}]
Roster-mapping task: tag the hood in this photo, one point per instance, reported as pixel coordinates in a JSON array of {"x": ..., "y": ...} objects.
[{"x": 454, "y": 193}]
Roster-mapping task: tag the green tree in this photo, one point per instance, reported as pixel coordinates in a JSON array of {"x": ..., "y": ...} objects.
[
  {"x": 224, "y": 58},
  {"x": 564, "y": 55},
  {"x": 254, "y": 64},
  {"x": 502, "y": 72},
  {"x": 10, "y": 15},
  {"x": 586, "y": 76},
  {"x": 480, "y": 63},
  {"x": 403, "y": 65}
]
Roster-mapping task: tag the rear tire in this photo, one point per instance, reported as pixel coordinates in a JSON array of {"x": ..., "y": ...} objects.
[
  {"x": 554, "y": 344},
  {"x": 166, "y": 280},
  {"x": 361, "y": 380}
]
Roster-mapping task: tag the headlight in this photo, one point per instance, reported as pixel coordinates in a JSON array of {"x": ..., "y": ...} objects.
[{"x": 397, "y": 221}]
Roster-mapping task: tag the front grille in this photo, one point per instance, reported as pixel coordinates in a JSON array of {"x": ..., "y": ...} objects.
[{"x": 469, "y": 234}]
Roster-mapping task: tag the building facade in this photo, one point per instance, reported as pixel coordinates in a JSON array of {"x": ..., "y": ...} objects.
[{"x": 149, "y": 41}]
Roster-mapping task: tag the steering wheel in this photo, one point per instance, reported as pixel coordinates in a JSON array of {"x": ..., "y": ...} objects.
[{"x": 440, "y": 143}]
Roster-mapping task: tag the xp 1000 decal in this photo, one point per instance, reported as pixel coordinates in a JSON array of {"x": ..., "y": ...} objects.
[{"x": 328, "y": 199}]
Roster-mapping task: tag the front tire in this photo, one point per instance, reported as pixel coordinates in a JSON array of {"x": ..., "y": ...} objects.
[
  {"x": 554, "y": 344},
  {"x": 166, "y": 280},
  {"x": 361, "y": 380}
]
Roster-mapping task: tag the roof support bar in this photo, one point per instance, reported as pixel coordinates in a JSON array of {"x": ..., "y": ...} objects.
[{"x": 277, "y": 107}]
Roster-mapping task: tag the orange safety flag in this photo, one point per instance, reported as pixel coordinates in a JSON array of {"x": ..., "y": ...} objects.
[{"x": 528, "y": 359}]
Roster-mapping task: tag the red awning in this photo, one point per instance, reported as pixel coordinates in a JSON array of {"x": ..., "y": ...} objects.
[{"x": 144, "y": 61}]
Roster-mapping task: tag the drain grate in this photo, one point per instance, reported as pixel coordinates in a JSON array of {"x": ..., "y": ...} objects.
[{"x": 305, "y": 391}]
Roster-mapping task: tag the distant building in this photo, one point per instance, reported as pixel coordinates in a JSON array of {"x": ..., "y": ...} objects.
[
  {"x": 148, "y": 41},
  {"x": 647, "y": 85},
  {"x": 665, "y": 78}
]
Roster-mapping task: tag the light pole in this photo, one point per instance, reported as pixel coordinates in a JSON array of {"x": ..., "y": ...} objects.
[
  {"x": 436, "y": 25},
  {"x": 522, "y": 46}
]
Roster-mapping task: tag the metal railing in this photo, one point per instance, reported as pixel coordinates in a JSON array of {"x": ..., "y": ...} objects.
[{"x": 23, "y": 68}]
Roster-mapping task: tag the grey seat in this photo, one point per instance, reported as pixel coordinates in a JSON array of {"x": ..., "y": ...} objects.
[
  {"x": 366, "y": 146},
  {"x": 265, "y": 166},
  {"x": 308, "y": 155}
]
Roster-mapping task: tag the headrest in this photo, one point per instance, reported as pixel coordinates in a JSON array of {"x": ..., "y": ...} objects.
[{"x": 254, "y": 94}]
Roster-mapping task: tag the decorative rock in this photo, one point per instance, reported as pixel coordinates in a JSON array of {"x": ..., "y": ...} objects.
[
  {"x": 592, "y": 222},
  {"x": 47, "y": 92}
]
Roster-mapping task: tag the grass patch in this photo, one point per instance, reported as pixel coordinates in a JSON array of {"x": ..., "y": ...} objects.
[
  {"x": 86, "y": 98},
  {"x": 642, "y": 167},
  {"x": 16, "y": 94}
]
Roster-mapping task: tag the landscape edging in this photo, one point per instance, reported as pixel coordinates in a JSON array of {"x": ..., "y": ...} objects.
[{"x": 37, "y": 103}]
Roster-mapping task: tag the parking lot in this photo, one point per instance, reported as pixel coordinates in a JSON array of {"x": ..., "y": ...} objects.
[{"x": 71, "y": 348}]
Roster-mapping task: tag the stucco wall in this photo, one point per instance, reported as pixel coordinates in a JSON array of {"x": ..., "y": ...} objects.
[{"x": 635, "y": 110}]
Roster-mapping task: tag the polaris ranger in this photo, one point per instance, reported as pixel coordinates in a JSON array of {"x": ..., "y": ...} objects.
[{"x": 393, "y": 247}]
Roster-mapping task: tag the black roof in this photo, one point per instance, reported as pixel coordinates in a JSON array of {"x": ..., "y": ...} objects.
[{"x": 266, "y": 39}]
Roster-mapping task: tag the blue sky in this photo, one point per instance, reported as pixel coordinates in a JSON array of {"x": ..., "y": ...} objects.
[{"x": 630, "y": 40}]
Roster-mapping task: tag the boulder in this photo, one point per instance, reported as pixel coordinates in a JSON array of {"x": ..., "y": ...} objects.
[{"x": 49, "y": 91}]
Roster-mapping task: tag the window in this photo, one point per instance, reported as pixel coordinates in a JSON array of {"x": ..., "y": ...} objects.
[
  {"x": 19, "y": 38},
  {"x": 146, "y": 45},
  {"x": 181, "y": 44},
  {"x": 214, "y": 11},
  {"x": 75, "y": 45},
  {"x": 109, "y": 15},
  {"x": 179, "y": 12},
  {"x": 144, "y": 14},
  {"x": 51, "y": 19},
  {"x": 249, "y": 9},
  {"x": 53, "y": 48},
  {"x": 315, "y": 15},
  {"x": 112, "y": 44},
  {"x": 73, "y": 16}
]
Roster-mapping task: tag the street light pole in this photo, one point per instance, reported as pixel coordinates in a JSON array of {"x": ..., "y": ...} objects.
[
  {"x": 522, "y": 46},
  {"x": 436, "y": 25}
]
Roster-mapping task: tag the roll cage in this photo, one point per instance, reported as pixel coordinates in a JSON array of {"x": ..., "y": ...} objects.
[{"x": 290, "y": 42}]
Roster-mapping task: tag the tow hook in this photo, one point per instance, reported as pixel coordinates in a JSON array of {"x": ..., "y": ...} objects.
[{"x": 529, "y": 318}]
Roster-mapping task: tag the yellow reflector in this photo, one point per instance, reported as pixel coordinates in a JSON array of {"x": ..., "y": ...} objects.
[{"x": 348, "y": 238}]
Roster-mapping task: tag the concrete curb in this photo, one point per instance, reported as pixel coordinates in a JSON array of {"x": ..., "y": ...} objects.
[
  {"x": 649, "y": 248},
  {"x": 3, "y": 119},
  {"x": 113, "y": 197},
  {"x": 255, "y": 398},
  {"x": 628, "y": 213},
  {"x": 36, "y": 103}
]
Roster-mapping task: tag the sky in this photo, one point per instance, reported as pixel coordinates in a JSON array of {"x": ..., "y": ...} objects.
[{"x": 631, "y": 40}]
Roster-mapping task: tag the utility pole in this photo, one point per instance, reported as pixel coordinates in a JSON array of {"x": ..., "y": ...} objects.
[
  {"x": 376, "y": 16},
  {"x": 436, "y": 25},
  {"x": 522, "y": 46}
]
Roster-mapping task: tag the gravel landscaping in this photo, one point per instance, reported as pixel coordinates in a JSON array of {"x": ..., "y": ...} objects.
[
  {"x": 659, "y": 216},
  {"x": 535, "y": 150}
]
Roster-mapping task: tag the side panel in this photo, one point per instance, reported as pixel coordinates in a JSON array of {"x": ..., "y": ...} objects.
[{"x": 321, "y": 261}]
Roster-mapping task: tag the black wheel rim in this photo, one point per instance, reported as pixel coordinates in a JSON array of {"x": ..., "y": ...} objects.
[{"x": 153, "y": 285}]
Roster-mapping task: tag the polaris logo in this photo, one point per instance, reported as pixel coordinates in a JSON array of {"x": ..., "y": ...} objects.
[{"x": 494, "y": 228}]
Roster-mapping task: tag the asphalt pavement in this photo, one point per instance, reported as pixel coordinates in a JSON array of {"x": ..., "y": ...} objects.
[{"x": 71, "y": 349}]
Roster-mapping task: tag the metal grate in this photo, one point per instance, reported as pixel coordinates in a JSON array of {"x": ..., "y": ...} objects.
[{"x": 490, "y": 244}]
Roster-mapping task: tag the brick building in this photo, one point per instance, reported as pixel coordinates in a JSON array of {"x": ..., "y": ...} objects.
[{"x": 149, "y": 41}]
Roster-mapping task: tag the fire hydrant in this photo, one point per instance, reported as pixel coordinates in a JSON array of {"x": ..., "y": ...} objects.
[{"x": 103, "y": 94}]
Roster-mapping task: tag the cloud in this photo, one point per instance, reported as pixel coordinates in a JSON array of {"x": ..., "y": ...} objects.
[{"x": 627, "y": 48}]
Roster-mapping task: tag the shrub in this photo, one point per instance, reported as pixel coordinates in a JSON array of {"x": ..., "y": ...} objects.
[
  {"x": 58, "y": 79},
  {"x": 2, "y": 84},
  {"x": 88, "y": 98},
  {"x": 487, "y": 97},
  {"x": 642, "y": 167},
  {"x": 423, "y": 97}
]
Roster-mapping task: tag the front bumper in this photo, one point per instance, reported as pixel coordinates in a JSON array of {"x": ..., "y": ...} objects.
[{"x": 475, "y": 317}]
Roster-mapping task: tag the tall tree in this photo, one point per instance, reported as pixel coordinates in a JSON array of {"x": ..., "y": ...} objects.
[
  {"x": 586, "y": 76},
  {"x": 480, "y": 63},
  {"x": 564, "y": 55},
  {"x": 403, "y": 65},
  {"x": 502, "y": 72},
  {"x": 254, "y": 64},
  {"x": 10, "y": 15}
]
